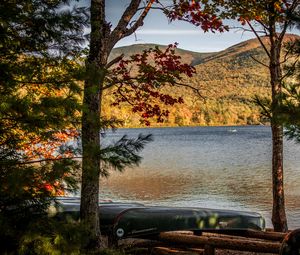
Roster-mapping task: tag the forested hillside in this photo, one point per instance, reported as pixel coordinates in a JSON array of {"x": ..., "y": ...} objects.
[{"x": 228, "y": 81}]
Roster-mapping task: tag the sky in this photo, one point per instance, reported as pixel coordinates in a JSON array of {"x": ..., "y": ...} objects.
[{"x": 158, "y": 30}]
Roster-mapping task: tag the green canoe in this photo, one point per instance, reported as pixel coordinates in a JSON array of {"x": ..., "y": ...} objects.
[{"x": 122, "y": 220}]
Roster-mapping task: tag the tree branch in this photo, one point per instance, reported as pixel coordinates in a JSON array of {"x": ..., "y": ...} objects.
[
  {"x": 118, "y": 32},
  {"x": 114, "y": 82},
  {"x": 191, "y": 87},
  {"x": 123, "y": 96},
  {"x": 258, "y": 61},
  {"x": 259, "y": 39},
  {"x": 139, "y": 21},
  {"x": 288, "y": 73},
  {"x": 288, "y": 54},
  {"x": 266, "y": 112},
  {"x": 288, "y": 21},
  {"x": 114, "y": 61},
  {"x": 44, "y": 160}
]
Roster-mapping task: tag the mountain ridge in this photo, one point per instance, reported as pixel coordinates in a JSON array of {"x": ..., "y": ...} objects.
[
  {"x": 187, "y": 55},
  {"x": 228, "y": 80}
]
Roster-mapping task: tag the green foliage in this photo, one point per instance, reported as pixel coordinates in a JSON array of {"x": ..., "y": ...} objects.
[
  {"x": 123, "y": 153},
  {"x": 39, "y": 46},
  {"x": 53, "y": 237},
  {"x": 289, "y": 111},
  {"x": 40, "y": 42},
  {"x": 42, "y": 234},
  {"x": 25, "y": 194}
]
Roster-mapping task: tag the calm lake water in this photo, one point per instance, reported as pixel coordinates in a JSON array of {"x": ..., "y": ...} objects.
[{"x": 212, "y": 167}]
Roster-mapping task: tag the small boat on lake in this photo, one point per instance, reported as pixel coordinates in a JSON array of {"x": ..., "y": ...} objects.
[
  {"x": 122, "y": 220},
  {"x": 232, "y": 130}
]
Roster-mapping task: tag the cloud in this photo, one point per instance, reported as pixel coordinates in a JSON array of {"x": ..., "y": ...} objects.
[{"x": 186, "y": 32}]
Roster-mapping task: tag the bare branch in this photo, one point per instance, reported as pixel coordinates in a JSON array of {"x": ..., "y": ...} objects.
[
  {"x": 258, "y": 61},
  {"x": 243, "y": 29},
  {"x": 114, "y": 82},
  {"x": 288, "y": 21},
  {"x": 263, "y": 25},
  {"x": 124, "y": 97},
  {"x": 288, "y": 54},
  {"x": 197, "y": 91},
  {"x": 259, "y": 39},
  {"x": 266, "y": 112},
  {"x": 283, "y": 31},
  {"x": 288, "y": 73},
  {"x": 114, "y": 61},
  {"x": 45, "y": 160}
]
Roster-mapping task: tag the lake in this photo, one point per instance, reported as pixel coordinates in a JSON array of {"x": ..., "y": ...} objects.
[{"x": 211, "y": 167}]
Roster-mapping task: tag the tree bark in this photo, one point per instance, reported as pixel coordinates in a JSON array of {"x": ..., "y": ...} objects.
[
  {"x": 95, "y": 73},
  {"x": 102, "y": 40},
  {"x": 278, "y": 213}
]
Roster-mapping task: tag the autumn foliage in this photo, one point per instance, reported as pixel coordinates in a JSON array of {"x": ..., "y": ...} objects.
[
  {"x": 141, "y": 78},
  {"x": 258, "y": 11},
  {"x": 197, "y": 13},
  {"x": 52, "y": 148}
]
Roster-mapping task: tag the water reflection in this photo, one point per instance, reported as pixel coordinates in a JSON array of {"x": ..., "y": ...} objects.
[
  {"x": 208, "y": 167},
  {"x": 146, "y": 187}
]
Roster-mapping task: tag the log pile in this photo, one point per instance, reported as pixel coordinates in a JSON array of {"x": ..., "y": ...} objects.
[
  {"x": 210, "y": 243},
  {"x": 186, "y": 243}
]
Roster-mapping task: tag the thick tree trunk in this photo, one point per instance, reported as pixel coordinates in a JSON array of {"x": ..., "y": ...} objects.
[
  {"x": 95, "y": 73},
  {"x": 278, "y": 214},
  {"x": 90, "y": 166},
  {"x": 102, "y": 41}
]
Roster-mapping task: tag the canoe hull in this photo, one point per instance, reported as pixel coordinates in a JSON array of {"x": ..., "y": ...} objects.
[{"x": 122, "y": 220}]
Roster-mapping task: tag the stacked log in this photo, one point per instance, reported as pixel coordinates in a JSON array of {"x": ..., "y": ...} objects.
[
  {"x": 187, "y": 243},
  {"x": 210, "y": 243}
]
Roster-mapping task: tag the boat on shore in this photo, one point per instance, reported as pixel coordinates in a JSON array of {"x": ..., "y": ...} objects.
[{"x": 123, "y": 220}]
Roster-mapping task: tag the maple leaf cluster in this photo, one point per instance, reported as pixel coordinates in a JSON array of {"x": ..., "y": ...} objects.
[
  {"x": 141, "y": 78},
  {"x": 39, "y": 149},
  {"x": 194, "y": 13}
]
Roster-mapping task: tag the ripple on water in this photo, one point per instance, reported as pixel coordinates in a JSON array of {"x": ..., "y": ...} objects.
[{"x": 208, "y": 167}]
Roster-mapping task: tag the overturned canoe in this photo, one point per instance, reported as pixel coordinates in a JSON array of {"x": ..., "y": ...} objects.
[{"x": 123, "y": 220}]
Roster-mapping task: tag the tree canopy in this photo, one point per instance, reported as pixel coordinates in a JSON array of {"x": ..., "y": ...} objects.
[{"x": 40, "y": 42}]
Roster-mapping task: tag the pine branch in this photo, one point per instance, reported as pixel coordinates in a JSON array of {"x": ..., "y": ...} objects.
[{"x": 123, "y": 153}]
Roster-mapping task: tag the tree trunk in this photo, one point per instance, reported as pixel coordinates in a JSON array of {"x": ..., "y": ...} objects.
[
  {"x": 90, "y": 166},
  {"x": 95, "y": 73},
  {"x": 102, "y": 40},
  {"x": 278, "y": 214}
]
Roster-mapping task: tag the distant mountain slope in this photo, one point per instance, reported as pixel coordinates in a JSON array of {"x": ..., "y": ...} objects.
[
  {"x": 244, "y": 47},
  {"x": 228, "y": 80},
  {"x": 189, "y": 57}
]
